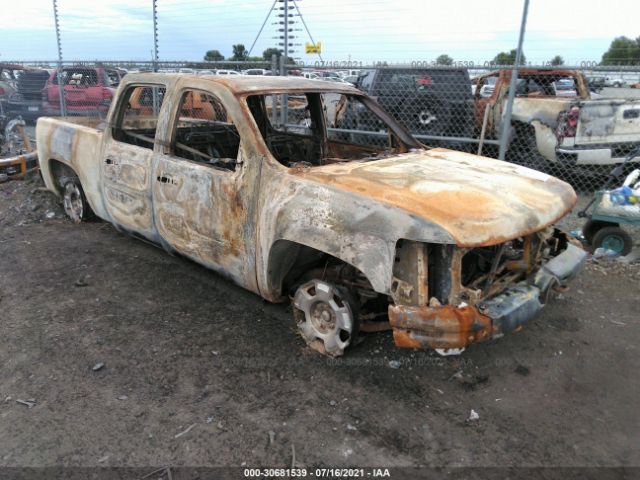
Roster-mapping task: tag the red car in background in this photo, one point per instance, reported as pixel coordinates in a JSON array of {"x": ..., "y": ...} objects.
[{"x": 88, "y": 91}]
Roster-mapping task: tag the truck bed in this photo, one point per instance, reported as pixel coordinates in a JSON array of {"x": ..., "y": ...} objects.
[{"x": 75, "y": 142}]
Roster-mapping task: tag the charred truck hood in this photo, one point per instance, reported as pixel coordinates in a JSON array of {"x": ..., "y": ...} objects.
[{"x": 477, "y": 200}]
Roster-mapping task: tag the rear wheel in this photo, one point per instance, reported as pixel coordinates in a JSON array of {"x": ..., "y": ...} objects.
[
  {"x": 524, "y": 149},
  {"x": 74, "y": 201},
  {"x": 326, "y": 315},
  {"x": 613, "y": 238}
]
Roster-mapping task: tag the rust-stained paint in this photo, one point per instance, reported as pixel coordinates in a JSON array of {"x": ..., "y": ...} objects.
[{"x": 478, "y": 201}]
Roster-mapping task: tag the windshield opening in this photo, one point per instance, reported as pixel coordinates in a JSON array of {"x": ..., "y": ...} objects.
[
  {"x": 546, "y": 85},
  {"x": 311, "y": 129}
]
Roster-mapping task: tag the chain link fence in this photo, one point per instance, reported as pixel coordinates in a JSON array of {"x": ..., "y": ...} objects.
[{"x": 574, "y": 123}]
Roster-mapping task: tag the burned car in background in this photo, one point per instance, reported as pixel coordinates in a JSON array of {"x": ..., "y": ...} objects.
[
  {"x": 26, "y": 100},
  {"x": 9, "y": 74},
  {"x": 17, "y": 154},
  {"x": 377, "y": 231},
  {"x": 557, "y": 128}
]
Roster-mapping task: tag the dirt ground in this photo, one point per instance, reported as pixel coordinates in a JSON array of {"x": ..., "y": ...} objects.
[{"x": 185, "y": 351}]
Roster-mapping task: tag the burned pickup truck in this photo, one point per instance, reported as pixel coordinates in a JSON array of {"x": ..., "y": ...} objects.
[
  {"x": 255, "y": 178},
  {"x": 555, "y": 122}
]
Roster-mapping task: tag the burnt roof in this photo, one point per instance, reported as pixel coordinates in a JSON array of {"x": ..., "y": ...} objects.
[{"x": 247, "y": 84}]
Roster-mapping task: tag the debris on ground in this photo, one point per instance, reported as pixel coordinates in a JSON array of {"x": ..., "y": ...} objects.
[
  {"x": 27, "y": 201},
  {"x": 632, "y": 257},
  {"x": 31, "y": 402},
  {"x": 468, "y": 380},
  {"x": 604, "y": 253},
  {"x": 160, "y": 473},
  {"x": 473, "y": 416},
  {"x": 184, "y": 432},
  {"x": 445, "y": 352},
  {"x": 395, "y": 364},
  {"x": 98, "y": 366}
]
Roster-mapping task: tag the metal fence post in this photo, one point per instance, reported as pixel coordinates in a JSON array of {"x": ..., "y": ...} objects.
[
  {"x": 63, "y": 105},
  {"x": 506, "y": 118},
  {"x": 155, "y": 35},
  {"x": 274, "y": 98},
  {"x": 156, "y": 99},
  {"x": 284, "y": 100}
]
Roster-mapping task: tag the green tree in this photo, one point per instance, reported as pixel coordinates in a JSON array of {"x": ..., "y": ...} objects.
[
  {"x": 557, "y": 60},
  {"x": 504, "y": 58},
  {"x": 213, "y": 56},
  {"x": 622, "y": 51},
  {"x": 266, "y": 55},
  {"x": 444, "y": 60},
  {"x": 239, "y": 52}
]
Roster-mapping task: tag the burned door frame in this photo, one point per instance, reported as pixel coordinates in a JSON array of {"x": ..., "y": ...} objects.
[
  {"x": 204, "y": 212},
  {"x": 481, "y": 103},
  {"x": 127, "y": 169}
]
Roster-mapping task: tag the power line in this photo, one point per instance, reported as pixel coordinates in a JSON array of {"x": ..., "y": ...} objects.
[{"x": 262, "y": 27}]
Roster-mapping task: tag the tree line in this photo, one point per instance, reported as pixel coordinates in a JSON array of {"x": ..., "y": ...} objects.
[
  {"x": 622, "y": 51},
  {"x": 241, "y": 54}
]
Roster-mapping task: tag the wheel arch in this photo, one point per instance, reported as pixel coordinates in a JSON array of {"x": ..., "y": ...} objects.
[
  {"x": 58, "y": 172},
  {"x": 288, "y": 260}
]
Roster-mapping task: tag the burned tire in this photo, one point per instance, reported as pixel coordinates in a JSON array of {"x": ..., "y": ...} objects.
[
  {"x": 613, "y": 238},
  {"x": 75, "y": 202},
  {"x": 326, "y": 315}
]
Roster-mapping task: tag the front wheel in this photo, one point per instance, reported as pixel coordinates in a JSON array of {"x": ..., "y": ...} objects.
[
  {"x": 327, "y": 316},
  {"x": 74, "y": 201}
]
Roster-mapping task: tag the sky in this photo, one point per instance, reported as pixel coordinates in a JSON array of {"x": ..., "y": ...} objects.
[{"x": 349, "y": 30}]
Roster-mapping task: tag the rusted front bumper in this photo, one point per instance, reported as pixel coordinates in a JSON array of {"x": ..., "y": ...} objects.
[{"x": 449, "y": 326}]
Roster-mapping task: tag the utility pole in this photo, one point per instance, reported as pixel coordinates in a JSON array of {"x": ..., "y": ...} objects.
[
  {"x": 286, "y": 22},
  {"x": 63, "y": 105},
  {"x": 506, "y": 119}
]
